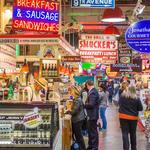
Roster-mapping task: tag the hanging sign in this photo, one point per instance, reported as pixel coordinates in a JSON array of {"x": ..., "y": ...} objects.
[
  {"x": 124, "y": 52},
  {"x": 136, "y": 66},
  {"x": 93, "y": 3},
  {"x": 100, "y": 46},
  {"x": 111, "y": 74},
  {"x": 138, "y": 36},
  {"x": 102, "y": 42},
  {"x": 36, "y": 15},
  {"x": 71, "y": 59}
]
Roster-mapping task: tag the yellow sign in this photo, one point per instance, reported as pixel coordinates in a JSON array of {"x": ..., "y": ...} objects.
[{"x": 111, "y": 74}]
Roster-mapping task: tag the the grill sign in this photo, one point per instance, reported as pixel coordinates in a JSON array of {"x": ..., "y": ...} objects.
[{"x": 32, "y": 119}]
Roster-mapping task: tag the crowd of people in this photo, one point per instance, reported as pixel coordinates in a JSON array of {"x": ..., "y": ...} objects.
[{"x": 90, "y": 105}]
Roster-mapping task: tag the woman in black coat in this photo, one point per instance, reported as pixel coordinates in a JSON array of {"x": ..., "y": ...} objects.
[
  {"x": 78, "y": 117},
  {"x": 129, "y": 107}
]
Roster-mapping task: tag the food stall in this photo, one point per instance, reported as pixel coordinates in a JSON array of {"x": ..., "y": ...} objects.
[{"x": 28, "y": 125}]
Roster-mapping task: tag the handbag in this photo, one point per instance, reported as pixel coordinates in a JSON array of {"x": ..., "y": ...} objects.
[{"x": 75, "y": 145}]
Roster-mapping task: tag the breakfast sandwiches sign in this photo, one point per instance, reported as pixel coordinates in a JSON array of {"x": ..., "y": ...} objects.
[{"x": 36, "y": 15}]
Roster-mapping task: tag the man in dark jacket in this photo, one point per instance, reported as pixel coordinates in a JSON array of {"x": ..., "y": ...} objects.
[{"x": 92, "y": 108}]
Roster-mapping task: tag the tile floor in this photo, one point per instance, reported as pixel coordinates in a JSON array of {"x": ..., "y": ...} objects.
[{"x": 112, "y": 139}]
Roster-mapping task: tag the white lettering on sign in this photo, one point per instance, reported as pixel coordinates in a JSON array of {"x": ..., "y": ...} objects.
[
  {"x": 98, "y": 53},
  {"x": 98, "y": 45}
]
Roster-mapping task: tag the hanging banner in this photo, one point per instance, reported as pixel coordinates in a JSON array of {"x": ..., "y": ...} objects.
[
  {"x": 138, "y": 36},
  {"x": 93, "y": 3},
  {"x": 36, "y": 15}
]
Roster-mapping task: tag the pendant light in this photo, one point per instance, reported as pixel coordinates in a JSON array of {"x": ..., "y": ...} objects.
[
  {"x": 4, "y": 74},
  {"x": 111, "y": 29},
  {"x": 25, "y": 67},
  {"x": 113, "y": 15}
]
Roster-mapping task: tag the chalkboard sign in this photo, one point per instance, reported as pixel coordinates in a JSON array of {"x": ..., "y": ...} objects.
[{"x": 124, "y": 52}]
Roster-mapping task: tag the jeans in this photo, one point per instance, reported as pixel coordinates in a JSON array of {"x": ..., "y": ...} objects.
[
  {"x": 110, "y": 98},
  {"x": 128, "y": 127},
  {"x": 103, "y": 117}
]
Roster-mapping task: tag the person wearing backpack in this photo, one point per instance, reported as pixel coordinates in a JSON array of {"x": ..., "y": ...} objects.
[{"x": 92, "y": 109}]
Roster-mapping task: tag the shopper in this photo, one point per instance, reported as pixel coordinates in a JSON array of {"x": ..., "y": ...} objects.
[
  {"x": 129, "y": 106},
  {"x": 111, "y": 92},
  {"x": 78, "y": 117},
  {"x": 103, "y": 106},
  {"x": 84, "y": 95},
  {"x": 123, "y": 87},
  {"x": 92, "y": 108}
]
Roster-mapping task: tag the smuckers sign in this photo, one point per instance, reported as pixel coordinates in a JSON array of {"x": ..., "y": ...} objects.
[
  {"x": 32, "y": 119},
  {"x": 100, "y": 46}
]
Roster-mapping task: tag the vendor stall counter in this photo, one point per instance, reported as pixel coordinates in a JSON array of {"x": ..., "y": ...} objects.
[{"x": 26, "y": 126}]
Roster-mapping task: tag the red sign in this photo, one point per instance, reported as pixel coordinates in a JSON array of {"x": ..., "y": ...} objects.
[
  {"x": 100, "y": 54},
  {"x": 70, "y": 58},
  {"x": 36, "y": 15},
  {"x": 98, "y": 46}
]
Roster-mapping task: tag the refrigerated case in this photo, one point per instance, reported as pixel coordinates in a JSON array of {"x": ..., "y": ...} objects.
[{"x": 28, "y": 126}]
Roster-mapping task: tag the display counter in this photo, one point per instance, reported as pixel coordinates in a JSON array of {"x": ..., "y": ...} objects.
[{"x": 28, "y": 125}]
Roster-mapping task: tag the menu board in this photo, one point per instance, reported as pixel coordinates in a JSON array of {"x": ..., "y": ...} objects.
[{"x": 124, "y": 52}]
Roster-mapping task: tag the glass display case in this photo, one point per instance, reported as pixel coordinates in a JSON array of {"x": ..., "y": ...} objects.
[{"x": 28, "y": 126}]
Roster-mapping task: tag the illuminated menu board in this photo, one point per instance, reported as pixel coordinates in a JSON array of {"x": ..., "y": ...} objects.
[{"x": 36, "y": 15}]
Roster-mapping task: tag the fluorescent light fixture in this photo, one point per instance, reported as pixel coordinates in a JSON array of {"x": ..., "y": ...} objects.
[{"x": 114, "y": 20}]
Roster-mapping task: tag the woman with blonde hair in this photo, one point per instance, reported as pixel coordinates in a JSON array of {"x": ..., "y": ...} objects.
[
  {"x": 78, "y": 116},
  {"x": 129, "y": 107}
]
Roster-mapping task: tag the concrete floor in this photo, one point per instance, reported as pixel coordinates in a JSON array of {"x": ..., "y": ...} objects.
[{"x": 112, "y": 139}]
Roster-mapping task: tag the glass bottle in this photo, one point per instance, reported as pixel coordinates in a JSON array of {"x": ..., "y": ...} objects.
[
  {"x": 55, "y": 70},
  {"x": 52, "y": 70},
  {"x": 49, "y": 71}
]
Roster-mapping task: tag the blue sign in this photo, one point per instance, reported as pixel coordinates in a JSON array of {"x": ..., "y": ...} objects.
[
  {"x": 138, "y": 36},
  {"x": 93, "y": 3}
]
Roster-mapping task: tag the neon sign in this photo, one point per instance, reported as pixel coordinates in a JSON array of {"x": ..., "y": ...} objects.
[{"x": 36, "y": 15}]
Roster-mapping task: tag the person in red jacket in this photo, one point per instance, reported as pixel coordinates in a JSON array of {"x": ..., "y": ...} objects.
[{"x": 129, "y": 107}]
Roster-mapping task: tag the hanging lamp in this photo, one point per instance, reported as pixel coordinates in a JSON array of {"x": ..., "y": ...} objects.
[
  {"x": 4, "y": 74},
  {"x": 25, "y": 67},
  {"x": 111, "y": 29},
  {"x": 113, "y": 15}
]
